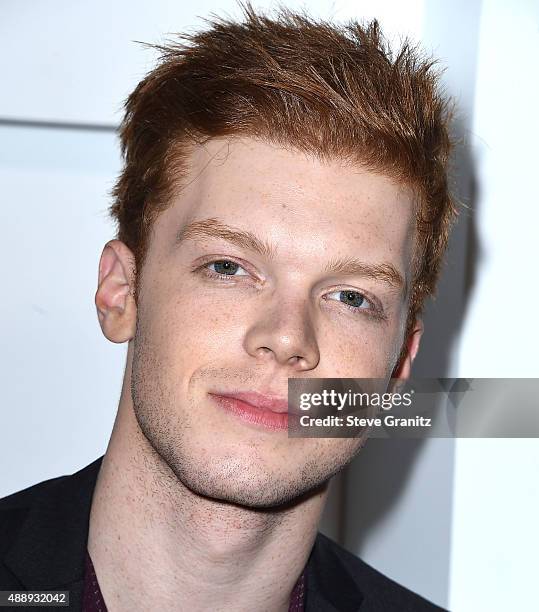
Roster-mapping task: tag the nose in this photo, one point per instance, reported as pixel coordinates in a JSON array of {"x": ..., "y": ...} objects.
[{"x": 284, "y": 332}]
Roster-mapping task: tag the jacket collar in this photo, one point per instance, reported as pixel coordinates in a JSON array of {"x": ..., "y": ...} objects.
[{"x": 49, "y": 551}]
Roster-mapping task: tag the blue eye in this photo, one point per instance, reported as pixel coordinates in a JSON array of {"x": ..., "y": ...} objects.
[
  {"x": 225, "y": 267},
  {"x": 353, "y": 299}
]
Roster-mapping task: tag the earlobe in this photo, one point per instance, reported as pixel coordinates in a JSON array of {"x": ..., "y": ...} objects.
[{"x": 114, "y": 299}]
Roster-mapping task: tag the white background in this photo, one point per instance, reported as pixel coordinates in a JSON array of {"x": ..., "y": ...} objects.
[{"x": 455, "y": 521}]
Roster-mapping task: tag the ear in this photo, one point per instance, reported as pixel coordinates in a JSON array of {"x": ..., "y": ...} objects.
[
  {"x": 404, "y": 367},
  {"x": 114, "y": 298}
]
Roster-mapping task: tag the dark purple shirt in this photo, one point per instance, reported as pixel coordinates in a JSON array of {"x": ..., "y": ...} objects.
[{"x": 92, "y": 599}]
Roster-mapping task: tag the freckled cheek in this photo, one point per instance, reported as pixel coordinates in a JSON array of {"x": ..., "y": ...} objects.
[
  {"x": 365, "y": 352},
  {"x": 200, "y": 328}
]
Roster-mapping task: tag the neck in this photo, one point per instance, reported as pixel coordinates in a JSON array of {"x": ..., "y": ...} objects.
[{"x": 155, "y": 544}]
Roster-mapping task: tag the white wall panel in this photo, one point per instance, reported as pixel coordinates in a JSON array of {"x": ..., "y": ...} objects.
[
  {"x": 76, "y": 61},
  {"x": 61, "y": 379},
  {"x": 496, "y": 493}
]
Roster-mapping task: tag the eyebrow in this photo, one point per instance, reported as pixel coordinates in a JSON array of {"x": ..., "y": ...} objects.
[
  {"x": 213, "y": 228},
  {"x": 385, "y": 272}
]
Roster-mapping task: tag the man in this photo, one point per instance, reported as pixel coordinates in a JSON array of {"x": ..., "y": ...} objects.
[{"x": 282, "y": 212}]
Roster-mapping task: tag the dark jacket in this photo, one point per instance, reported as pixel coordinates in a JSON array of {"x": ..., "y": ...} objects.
[{"x": 44, "y": 533}]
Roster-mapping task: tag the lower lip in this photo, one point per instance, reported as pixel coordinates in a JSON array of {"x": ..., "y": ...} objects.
[{"x": 252, "y": 414}]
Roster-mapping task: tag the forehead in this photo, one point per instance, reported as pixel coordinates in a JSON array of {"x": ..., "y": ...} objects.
[
  {"x": 296, "y": 201},
  {"x": 245, "y": 167}
]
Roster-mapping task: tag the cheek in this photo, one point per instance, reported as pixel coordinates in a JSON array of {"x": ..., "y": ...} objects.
[
  {"x": 194, "y": 327},
  {"x": 365, "y": 350}
]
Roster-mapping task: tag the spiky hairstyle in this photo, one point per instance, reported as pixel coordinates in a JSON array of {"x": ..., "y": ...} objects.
[{"x": 336, "y": 91}]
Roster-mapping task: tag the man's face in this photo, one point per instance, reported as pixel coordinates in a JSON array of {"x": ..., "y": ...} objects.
[{"x": 270, "y": 264}]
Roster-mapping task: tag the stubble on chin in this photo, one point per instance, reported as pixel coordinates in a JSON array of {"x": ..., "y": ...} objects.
[{"x": 248, "y": 476}]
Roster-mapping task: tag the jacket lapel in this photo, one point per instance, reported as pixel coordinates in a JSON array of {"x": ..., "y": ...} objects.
[{"x": 330, "y": 588}]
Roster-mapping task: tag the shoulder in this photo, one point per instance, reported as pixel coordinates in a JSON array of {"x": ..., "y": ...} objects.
[
  {"x": 43, "y": 532},
  {"x": 381, "y": 592},
  {"x": 47, "y": 506},
  {"x": 27, "y": 497},
  {"x": 15, "y": 507}
]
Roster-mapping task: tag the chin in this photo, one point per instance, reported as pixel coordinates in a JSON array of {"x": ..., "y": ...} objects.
[
  {"x": 244, "y": 484},
  {"x": 248, "y": 496}
]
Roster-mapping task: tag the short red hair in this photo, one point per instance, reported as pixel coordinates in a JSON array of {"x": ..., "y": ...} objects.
[{"x": 333, "y": 91}]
